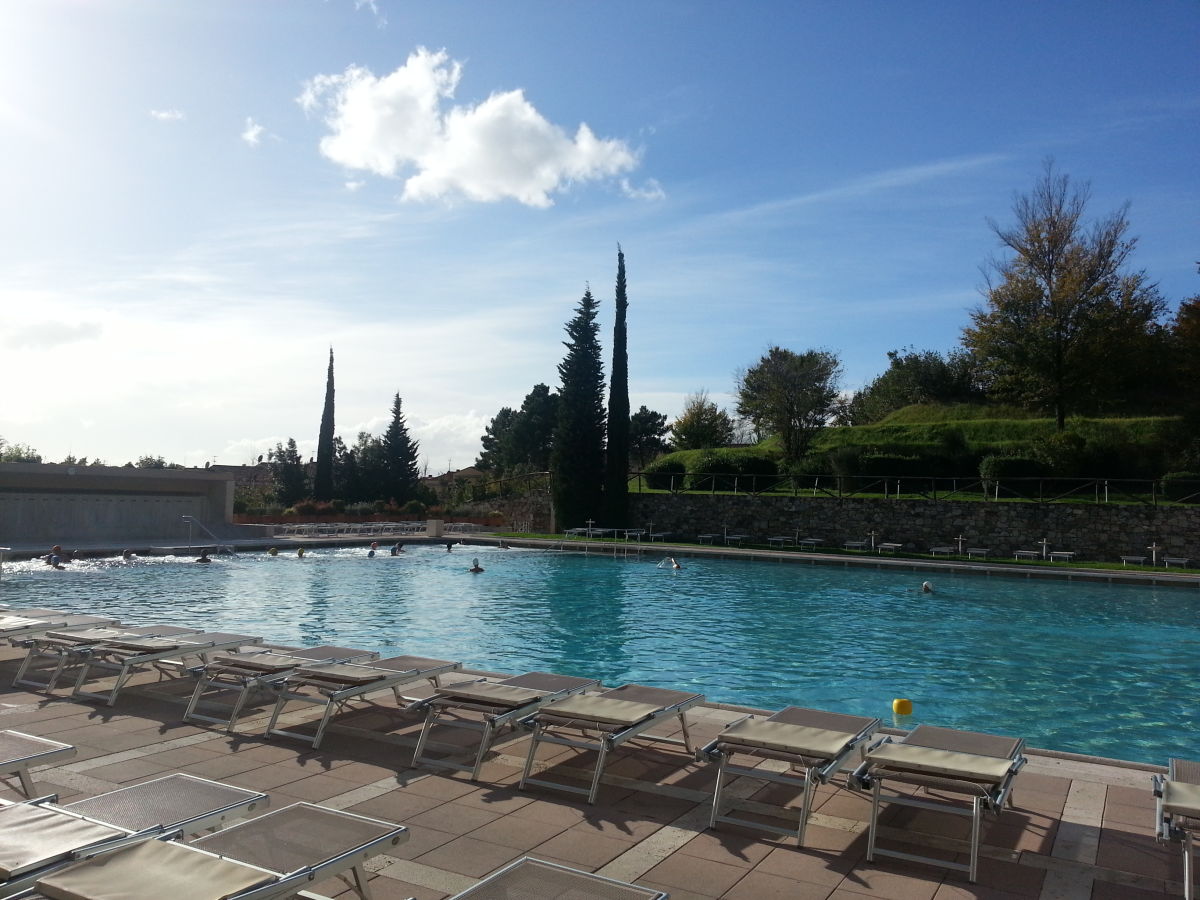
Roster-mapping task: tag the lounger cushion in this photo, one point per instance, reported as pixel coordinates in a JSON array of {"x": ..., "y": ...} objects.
[
  {"x": 801, "y": 739},
  {"x": 1182, "y": 799},
  {"x": 7, "y": 622},
  {"x": 602, "y": 709},
  {"x": 175, "y": 872},
  {"x": 344, "y": 674},
  {"x": 491, "y": 694},
  {"x": 257, "y": 662},
  {"x": 145, "y": 645},
  {"x": 34, "y": 835},
  {"x": 900, "y": 757}
]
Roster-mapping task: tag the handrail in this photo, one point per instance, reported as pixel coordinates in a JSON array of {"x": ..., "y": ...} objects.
[{"x": 220, "y": 548}]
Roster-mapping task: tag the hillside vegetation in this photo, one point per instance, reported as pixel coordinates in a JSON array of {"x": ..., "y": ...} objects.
[{"x": 932, "y": 440}]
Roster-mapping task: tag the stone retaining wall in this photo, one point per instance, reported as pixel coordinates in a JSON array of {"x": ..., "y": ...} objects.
[{"x": 1102, "y": 532}]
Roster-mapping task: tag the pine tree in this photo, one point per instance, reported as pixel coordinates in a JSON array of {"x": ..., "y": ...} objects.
[
  {"x": 577, "y": 460},
  {"x": 401, "y": 472},
  {"x": 323, "y": 479},
  {"x": 616, "y": 471}
]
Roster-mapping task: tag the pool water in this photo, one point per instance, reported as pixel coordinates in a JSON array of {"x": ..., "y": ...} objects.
[{"x": 1109, "y": 670}]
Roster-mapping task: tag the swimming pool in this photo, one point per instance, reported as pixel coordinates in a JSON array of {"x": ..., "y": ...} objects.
[{"x": 1090, "y": 668}]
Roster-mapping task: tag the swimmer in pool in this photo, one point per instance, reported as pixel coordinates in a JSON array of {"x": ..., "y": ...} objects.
[
  {"x": 300, "y": 552},
  {"x": 926, "y": 587},
  {"x": 397, "y": 548},
  {"x": 674, "y": 565},
  {"x": 475, "y": 566},
  {"x": 203, "y": 557}
]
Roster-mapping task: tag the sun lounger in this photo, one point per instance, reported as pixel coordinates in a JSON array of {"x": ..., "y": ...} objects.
[
  {"x": 532, "y": 878},
  {"x": 20, "y": 624},
  {"x": 817, "y": 745},
  {"x": 68, "y": 647},
  {"x": 334, "y": 686},
  {"x": 618, "y": 715},
  {"x": 981, "y": 766},
  {"x": 19, "y": 752},
  {"x": 246, "y": 673},
  {"x": 497, "y": 703},
  {"x": 126, "y": 656},
  {"x": 1177, "y": 814},
  {"x": 40, "y": 837},
  {"x": 276, "y": 855}
]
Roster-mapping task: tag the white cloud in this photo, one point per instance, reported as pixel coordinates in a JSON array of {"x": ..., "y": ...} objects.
[
  {"x": 166, "y": 115},
  {"x": 502, "y": 148},
  {"x": 353, "y": 186},
  {"x": 45, "y": 335},
  {"x": 253, "y": 132},
  {"x": 650, "y": 190}
]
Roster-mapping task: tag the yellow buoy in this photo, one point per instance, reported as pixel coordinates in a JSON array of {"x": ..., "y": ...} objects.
[{"x": 902, "y": 707}]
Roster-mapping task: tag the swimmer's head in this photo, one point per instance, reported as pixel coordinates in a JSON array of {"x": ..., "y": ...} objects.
[
  {"x": 926, "y": 587},
  {"x": 274, "y": 551}
]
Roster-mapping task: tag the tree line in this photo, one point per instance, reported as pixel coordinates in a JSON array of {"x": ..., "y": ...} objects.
[{"x": 1065, "y": 327}]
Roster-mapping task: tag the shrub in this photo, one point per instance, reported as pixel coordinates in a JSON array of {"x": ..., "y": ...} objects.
[
  {"x": 337, "y": 506},
  {"x": 1182, "y": 486},
  {"x": 307, "y": 507},
  {"x": 413, "y": 508},
  {"x": 994, "y": 467},
  {"x": 879, "y": 464},
  {"x": 663, "y": 471}
]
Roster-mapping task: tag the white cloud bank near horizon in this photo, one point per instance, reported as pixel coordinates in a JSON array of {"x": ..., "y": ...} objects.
[{"x": 402, "y": 125}]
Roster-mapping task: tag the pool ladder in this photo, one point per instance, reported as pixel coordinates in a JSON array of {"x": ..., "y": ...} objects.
[{"x": 217, "y": 545}]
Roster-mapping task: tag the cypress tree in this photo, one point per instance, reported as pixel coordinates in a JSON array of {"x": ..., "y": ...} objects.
[
  {"x": 616, "y": 490},
  {"x": 323, "y": 478},
  {"x": 401, "y": 472},
  {"x": 577, "y": 459}
]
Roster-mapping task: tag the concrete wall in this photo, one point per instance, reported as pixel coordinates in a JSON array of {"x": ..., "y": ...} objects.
[
  {"x": 1094, "y": 531},
  {"x": 48, "y": 504}
]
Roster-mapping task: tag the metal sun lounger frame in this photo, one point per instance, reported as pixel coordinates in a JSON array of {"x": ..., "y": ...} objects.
[
  {"x": 499, "y": 704},
  {"x": 529, "y": 877},
  {"x": 614, "y": 730},
  {"x": 338, "y": 685},
  {"x": 817, "y": 743},
  {"x": 1177, "y": 814},
  {"x": 126, "y": 657},
  {"x": 246, "y": 673},
  {"x": 68, "y": 647},
  {"x": 240, "y": 863},
  {"x": 127, "y": 815},
  {"x": 19, "y": 752},
  {"x": 982, "y": 766}
]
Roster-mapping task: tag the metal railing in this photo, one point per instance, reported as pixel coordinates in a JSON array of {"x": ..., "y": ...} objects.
[{"x": 218, "y": 547}]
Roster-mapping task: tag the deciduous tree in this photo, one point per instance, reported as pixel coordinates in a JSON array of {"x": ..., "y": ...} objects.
[
  {"x": 701, "y": 425},
  {"x": 914, "y": 376},
  {"x": 647, "y": 432},
  {"x": 790, "y": 395},
  {"x": 577, "y": 460},
  {"x": 1056, "y": 310}
]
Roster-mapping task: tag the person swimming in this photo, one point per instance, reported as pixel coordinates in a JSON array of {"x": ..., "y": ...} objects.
[
  {"x": 397, "y": 548},
  {"x": 203, "y": 557},
  {"x": 274, "y": 551},
  {"x": 300, "y": 552},
  {"x": 475, "y": 566},
  {"x": 926, "y": 587},
  {"x": 127, "y": 555}
]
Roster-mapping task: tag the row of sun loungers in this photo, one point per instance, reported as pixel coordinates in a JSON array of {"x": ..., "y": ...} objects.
[
  {"x": 348, "y": 529},
  {"x": 816, "y": 745}
]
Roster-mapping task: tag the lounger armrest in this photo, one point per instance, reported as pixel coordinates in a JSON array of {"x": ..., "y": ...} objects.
[{"x": 860, "y": 778}]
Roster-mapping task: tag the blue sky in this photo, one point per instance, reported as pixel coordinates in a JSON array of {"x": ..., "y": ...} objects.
[{"x": 201, "y": 197}]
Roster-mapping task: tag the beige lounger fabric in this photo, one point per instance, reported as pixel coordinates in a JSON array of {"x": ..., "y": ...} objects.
[
  {"x": 31, "y": 834},
  {"x": 491, "y": 694},
  {"x": 602, "y": 709},
  {"x": 801, "y": 739},
  {"x": 1182, "y": 799},
  {"x": 176, "y": 873},
  {"x": 945, "y": 763},
  {"x": 532, "y": 879}
]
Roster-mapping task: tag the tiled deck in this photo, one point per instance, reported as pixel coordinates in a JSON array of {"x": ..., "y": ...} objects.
[{"x": 1077, "y": 829}]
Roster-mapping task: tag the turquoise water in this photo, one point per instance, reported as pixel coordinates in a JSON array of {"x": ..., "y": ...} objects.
[{"x": 1104, "y": 669}]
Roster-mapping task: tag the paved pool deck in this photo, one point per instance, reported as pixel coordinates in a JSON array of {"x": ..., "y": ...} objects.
[{"x": 1078, "y": 828}]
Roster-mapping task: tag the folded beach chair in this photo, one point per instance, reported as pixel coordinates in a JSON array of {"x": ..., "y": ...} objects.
[
  {"x": 1177, "y": 814},
  {"x": 533, "y": 879},
  {"x": 618, "y": 715},
  {"x": 20, "y": 752},
  {"x": 980, "y": 766},
  {"x": 276, "y": 855},
  {"x": 488, "y": 706},
  {"x": 18, "y": 625},
  {"x": 67, "y": 647},
  {"x": 256, "y": 670},
  {"x": 126, "y": 656},
  {"x": 815, "y": 743},
  {"x": 40, "y": 837},
  {"x": 334, "y": 686}
]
